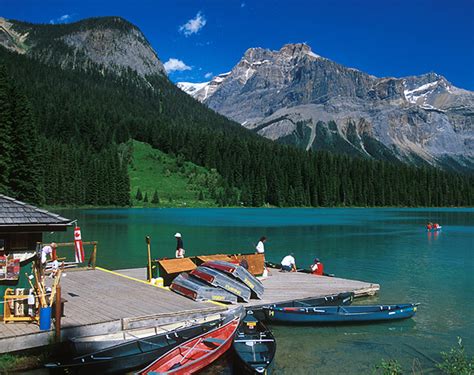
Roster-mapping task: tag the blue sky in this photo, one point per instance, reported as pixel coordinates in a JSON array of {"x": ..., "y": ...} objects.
[{"x": 383, "y": 37}]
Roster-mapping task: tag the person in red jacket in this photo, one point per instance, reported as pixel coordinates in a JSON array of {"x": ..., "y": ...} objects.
[
  {"x": 429, "y": 226},
  {"x": 317, "y": 268}
]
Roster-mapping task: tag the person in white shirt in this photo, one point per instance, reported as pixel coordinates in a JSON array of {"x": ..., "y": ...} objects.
[
  {"x": 260, "y": 246},
  {"x": 179, "y": 246},
  {"x": 288, "y": 263},
  {"x": 46, "y": 251}
]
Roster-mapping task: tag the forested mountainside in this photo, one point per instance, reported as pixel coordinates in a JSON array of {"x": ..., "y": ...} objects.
[
  {"x": 297, "y": 97},
  {"x": 84, "y": 117}
]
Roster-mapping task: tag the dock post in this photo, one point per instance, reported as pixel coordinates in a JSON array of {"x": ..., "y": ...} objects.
[
  {"x": 57, "y": 314},
  {"x": 94, "y": 255},
  {"x": 147, "y": 238}
]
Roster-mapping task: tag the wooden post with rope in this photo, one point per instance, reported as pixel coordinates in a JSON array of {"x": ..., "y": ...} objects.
[{"x": 147, "y": 239}]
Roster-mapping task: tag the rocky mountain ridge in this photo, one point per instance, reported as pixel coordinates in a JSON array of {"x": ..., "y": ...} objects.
[
  {"x": 296, "y": 96},
  {"x": 106, "y": 43}
]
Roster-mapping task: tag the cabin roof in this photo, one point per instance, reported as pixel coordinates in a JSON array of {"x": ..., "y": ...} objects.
[{"x": 14, "y": 213}]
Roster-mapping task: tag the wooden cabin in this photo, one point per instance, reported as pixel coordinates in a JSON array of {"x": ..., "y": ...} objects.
[{"x": 21, "y": 229}]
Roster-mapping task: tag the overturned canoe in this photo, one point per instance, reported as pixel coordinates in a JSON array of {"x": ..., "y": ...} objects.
[
  {"x": 198, "y": 290},
  {"x": 221, "y": 280},
  {"x": 340, "y": 314},
  {"x": 239, "y": 273}
]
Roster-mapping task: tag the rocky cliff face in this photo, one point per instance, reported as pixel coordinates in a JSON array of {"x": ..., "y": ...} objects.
[
  {"x": 295, "y": 96},
  {"x": 108, "y": 43}
]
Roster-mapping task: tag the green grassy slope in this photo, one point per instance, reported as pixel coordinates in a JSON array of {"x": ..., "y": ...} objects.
[{"x": 177, "y": 182}]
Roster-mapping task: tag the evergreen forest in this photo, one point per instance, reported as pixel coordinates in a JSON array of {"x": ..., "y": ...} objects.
[{"x": 63, "y": 134}]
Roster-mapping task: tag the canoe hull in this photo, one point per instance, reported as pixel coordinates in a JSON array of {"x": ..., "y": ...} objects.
[
  {"x": 193, "y": 355},
  {"x": 91, "y": 344},
  {"x": 223, "y": 281},
  {"x": 132, "y": 355},
  {"x": 339, "y": 314},
  {"x": 198, "y": 290},
  {"x": 331, "y": 300},
  {"x": 254, "y": 351},
  {"x": 240, "y": 273}
]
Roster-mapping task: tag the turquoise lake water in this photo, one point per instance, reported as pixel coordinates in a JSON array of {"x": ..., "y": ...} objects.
[{"x": 386, "y": 246}]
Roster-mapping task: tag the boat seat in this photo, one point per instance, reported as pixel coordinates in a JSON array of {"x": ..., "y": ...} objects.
[{"x": 213, "y": 341}]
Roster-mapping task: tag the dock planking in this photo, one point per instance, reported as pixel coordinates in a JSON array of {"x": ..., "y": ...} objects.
[
  {"x": 101, "y": 301},
  {"x": 283, "y": 287}
]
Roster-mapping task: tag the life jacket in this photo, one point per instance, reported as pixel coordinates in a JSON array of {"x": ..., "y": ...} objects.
[
  {"x": 320, "y": 270},
  {"x": 428, "y": 227}
]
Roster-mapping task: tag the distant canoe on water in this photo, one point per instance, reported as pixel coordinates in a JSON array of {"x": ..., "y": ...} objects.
[{"x": 340, "y": 314}]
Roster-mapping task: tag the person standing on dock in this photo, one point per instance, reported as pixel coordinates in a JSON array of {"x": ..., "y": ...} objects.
[
  {"x": 288, "y": 263},
  {"x": 179, "y": 246},
  {"x": 260, "y": 248}
]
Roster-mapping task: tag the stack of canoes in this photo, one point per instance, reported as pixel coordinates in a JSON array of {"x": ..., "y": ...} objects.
[
  {"x": 198, "y": 290},
  {"x": 218, "y": 281}
]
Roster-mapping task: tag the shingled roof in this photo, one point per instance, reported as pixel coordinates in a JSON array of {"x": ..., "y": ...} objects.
[{"x": 14, "y": 213}]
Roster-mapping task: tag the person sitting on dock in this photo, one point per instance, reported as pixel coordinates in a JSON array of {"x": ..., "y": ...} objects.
[
  {"x": 429, "y": 226},
  {"x": 288, "y": 263},
  {"x": 317, "y": 268},
  {"x": 179, "y": 246}
]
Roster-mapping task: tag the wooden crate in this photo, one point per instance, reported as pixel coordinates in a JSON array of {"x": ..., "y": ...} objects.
[
  {"x": 256, "y": 262},
  {"x": 170, "y": 268},
  {"x": 200, "y": 259}
]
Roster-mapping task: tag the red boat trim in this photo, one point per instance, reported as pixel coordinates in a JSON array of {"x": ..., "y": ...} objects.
[
  {"x": 219, "y": 266},
  {"x": 203, "y": 276},
  {"x": 187, "y": 292}
]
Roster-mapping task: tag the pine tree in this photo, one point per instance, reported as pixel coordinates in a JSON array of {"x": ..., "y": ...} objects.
[
  {"x": 145, "y": 200},
  {"x": 156, "y": 198},
  {"x": 139, "y": 195}
]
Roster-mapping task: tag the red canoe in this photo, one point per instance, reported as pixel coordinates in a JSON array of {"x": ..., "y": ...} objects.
[{"x": 195, "y": 354}]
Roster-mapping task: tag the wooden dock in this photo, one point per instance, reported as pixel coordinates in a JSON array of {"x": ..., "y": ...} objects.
[
  {"x": 101, "y": 301},
  {"x": 293, "y": 286}
]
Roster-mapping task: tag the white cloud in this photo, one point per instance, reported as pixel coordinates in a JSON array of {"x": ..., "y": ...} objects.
[
  {"x": 242, "y": 5},
  {"x": 63, "y": 19},
  {"x": 193, "y": 25},
  {"x": 175, "y": 65},
  {"x": 208, "y": 75}
]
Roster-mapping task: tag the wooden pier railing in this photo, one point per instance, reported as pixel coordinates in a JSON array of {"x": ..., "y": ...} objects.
[{"x": 93, "y": 256}]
